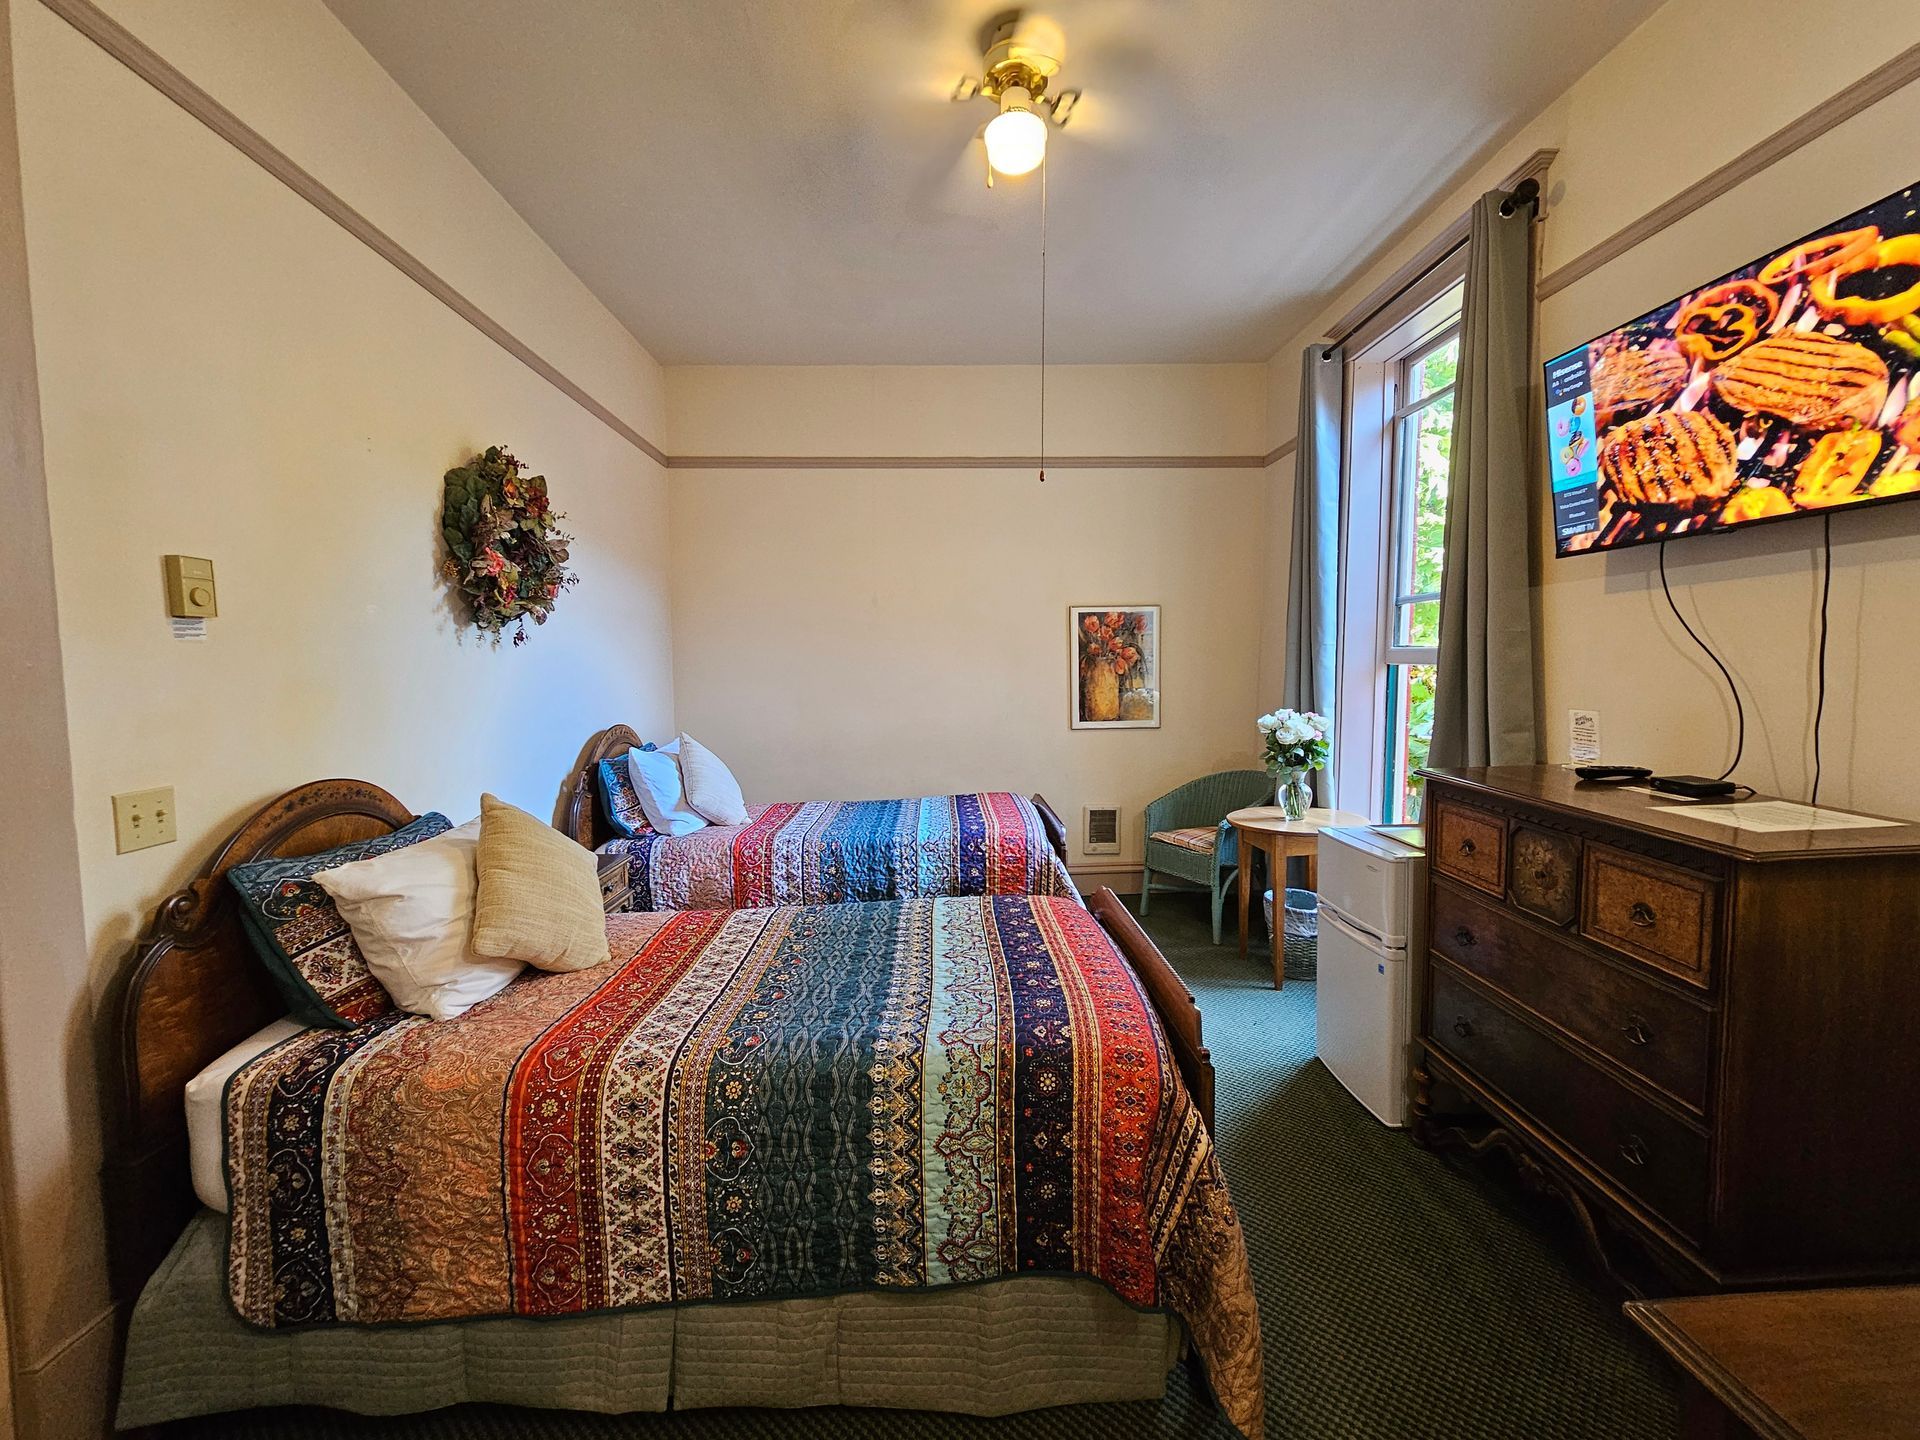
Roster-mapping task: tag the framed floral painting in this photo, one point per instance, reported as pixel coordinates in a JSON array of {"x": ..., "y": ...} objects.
[{"x": 1115, "y": 652}]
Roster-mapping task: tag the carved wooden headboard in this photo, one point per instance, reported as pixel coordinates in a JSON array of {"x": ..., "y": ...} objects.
[
  {"x": 193, "y": 989},
  {"x": 582, "y": 813}
]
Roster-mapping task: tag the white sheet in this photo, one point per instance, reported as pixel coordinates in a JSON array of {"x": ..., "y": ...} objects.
[
  {"x": 1772, "y": 815},
  {"x": 206, "y": 1145}
]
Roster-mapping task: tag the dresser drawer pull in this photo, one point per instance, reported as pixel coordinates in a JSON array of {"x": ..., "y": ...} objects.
[
  {"x": 1462, "y": 1026},
  {"x": 1636, "y": 1031},
  {"x": 1464, "y": 936},
  {"x": 1642, "y": 915},
  {"x": 1467, "y": 847},
  {"x": 1633, "y": 1150}
]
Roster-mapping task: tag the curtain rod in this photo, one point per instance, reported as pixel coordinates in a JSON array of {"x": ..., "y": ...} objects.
[
  {"x": 1337, "y": 338},
  {"x": 1523, "y": 186}
]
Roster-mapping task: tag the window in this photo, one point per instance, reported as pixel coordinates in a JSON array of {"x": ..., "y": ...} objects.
[
  {"x": 1416, "y": 553},
  {"x": 1399, "y": 443}
]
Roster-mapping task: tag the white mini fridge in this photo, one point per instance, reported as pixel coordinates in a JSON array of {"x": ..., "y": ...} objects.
[{"x": 1372, "y": 909}]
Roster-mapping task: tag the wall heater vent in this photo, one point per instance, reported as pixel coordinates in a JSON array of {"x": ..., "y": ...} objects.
[{"x": 1102, "y": 830}]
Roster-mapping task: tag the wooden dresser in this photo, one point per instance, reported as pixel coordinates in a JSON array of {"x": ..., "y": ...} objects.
[{"x": 1706, "y": 1039}]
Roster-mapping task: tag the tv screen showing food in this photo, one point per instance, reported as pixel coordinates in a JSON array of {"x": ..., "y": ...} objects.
[{"x": 1784, "y": 388}]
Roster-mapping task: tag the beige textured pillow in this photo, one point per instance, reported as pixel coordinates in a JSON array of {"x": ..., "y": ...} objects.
[{"x": 538, "y": 893}]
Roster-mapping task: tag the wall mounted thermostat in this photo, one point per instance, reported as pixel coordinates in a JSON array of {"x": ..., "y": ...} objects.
[{"x": 190, "y": 592}]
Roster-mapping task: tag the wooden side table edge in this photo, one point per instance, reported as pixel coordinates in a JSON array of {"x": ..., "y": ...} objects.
[{"x": 1702, "y": 1369}]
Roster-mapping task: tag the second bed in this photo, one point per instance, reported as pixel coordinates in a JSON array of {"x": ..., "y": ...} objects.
[{"x": 817, "y": 852}]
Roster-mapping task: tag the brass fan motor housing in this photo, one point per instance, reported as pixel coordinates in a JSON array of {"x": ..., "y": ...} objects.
[{"x": 1011, "y": 64}]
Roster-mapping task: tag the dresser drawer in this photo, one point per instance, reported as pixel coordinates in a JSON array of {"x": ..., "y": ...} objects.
[
  {"x": 1642, "y": 1025},
  {"x": 1543, "y": 873},
  {"x": 1654, "y": 912},
  {"x": 1639, "y": 1147},
  {"x": 1469, "y": 845}
]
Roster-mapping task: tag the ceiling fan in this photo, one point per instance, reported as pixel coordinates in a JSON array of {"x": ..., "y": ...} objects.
[{"x": 1021, "y": 56}]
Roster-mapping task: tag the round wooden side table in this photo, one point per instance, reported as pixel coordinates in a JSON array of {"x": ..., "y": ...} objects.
[{"x": 1265, "y": 828}]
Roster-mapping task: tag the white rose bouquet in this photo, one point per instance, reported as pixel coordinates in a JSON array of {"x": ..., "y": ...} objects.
[{"x": 1295, "y": 740}]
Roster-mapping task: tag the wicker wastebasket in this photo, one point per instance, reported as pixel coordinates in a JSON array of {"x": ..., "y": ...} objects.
[{"x": 1300, "y": 941}]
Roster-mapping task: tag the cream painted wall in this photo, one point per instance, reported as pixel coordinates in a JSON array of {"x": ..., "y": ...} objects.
[
  {"x": 296, "y": 75},
  {"x": 1608, "y": 640},
  {"x": 39, "y": 876},
  {"x": 225, "y": 372},
  {"x": 904, "y": 631}
]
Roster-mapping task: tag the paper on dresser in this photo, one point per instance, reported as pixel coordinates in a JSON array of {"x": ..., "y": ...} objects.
[{"x": 1778, "y": 815}]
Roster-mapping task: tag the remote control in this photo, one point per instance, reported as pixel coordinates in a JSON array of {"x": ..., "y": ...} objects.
[
  {"x": 1615, "y": 773},
  {"x": 1694, "y": 787}
]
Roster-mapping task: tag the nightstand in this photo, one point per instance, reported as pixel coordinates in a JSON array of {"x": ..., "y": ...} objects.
[{"x": 616, "y": 883}]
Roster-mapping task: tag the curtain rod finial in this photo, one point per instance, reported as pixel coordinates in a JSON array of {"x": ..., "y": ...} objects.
[{"x": 1526, "y": 192}]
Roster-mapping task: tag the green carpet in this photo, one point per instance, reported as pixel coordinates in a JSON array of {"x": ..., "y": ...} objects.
[{"x": 1403, "y": 1296}]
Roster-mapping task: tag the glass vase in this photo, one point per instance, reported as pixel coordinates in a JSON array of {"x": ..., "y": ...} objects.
[{"x": 1295, "y": 796}]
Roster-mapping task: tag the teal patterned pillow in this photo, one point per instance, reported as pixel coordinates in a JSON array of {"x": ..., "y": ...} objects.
[
  {"x": 303, "y": 938},
  {"x": 620, "y": 800}
]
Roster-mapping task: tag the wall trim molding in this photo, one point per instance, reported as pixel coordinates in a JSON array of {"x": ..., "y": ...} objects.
[
  {"x": 966, "y": 462},
  {"x": 69, "y": 1391},
  {"x": 126, "y": 47},
  {"x": 1877, "y": 85},
  {"x": 1121, "y": 876},
  {"x": 108, "y": 1315},
  {"x": 1279, "y": 452},
  {"x": 1871, "y": 88},
  {"x": 123, "y": 45}
]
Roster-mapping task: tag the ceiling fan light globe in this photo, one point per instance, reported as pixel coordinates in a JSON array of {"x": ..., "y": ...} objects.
[{"x": 1016, "y": 137}]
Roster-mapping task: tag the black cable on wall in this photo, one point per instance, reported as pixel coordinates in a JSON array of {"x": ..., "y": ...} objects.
[
  {"x": 1739, "y": 711},
  {"x": 1820, "y": 694}
]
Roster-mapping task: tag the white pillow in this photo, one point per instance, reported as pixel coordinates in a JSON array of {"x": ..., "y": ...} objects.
[
  {"x": 711, "y": 788},
  {"x": 411, "y": 912},
  {"x": 663, "y": 794}
]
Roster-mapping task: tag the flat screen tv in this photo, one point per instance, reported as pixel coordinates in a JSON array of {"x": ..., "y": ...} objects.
[{"x": 1784, "y": 388}]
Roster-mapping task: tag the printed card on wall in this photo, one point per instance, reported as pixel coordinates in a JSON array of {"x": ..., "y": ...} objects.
[{"x": 1115, "y": 658}]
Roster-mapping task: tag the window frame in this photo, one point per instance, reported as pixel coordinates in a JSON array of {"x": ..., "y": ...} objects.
[
  {"x": 1379, "y": 360},
  {"x": 1397, "y": 540}
]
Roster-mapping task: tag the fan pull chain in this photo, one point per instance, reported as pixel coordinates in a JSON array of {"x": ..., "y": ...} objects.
[{"x": 1044, "y": 167}]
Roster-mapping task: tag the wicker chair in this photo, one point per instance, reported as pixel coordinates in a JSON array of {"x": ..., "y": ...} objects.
[{"x": 1188, "y": 836}]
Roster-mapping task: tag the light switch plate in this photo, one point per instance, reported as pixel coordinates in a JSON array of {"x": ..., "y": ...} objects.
[
  {"x": 190, "y": 591},
  {"x": 143, "y": 818}
]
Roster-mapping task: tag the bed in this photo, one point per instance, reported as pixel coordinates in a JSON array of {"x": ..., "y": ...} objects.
[
  {"x": 1071, "y": 1298},
  {"x": 825, "y": 851}
]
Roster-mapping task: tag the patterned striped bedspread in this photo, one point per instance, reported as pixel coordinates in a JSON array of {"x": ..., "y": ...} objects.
[
  {"x": 822, "y": 852},
  {"x": 747, "y": 1105}
]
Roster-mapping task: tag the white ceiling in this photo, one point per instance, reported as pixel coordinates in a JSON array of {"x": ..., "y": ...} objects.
[{"x": 786, "y": 181}]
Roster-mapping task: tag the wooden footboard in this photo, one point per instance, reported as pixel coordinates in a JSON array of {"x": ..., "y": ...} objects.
[
  {"x": 1055, "y": 827},
  {"x": 1171, "y": 999}
]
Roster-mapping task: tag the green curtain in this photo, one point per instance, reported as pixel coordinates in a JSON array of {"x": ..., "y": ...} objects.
[
  {"x": 1483, "y": 711},
  {"x": 1313, "y": 578}
]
